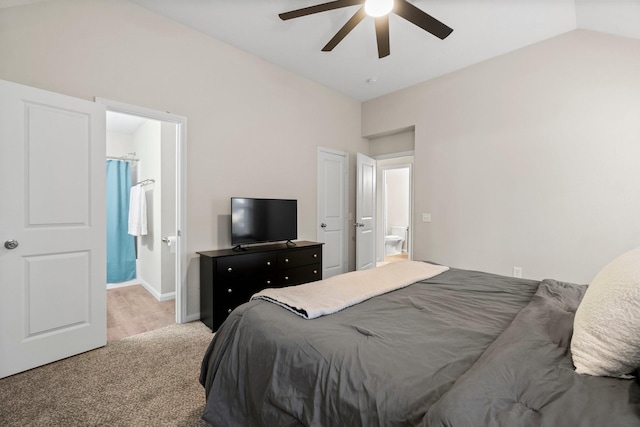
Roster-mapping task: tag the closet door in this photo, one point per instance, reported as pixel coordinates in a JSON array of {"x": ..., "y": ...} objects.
[{"x": 52, "y": 227}]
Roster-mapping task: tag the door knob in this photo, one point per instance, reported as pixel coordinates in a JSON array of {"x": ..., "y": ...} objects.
[
  {"x": 359, "y": 224},
  {"x": 11, "y": 244},
  {"x": 323, "y": 225}
]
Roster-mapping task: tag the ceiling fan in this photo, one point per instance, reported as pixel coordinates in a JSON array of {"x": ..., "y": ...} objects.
[{"x": 380, "y": 10}]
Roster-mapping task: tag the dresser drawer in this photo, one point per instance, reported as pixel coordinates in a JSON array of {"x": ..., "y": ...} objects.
[
  {"x": 234, "y": 291},
  {"x": 238, "y": 296},
  {"x": 299, "y": 257},
  {"x": 241, "y": 290},
  {"x": 233, "y": 298},
  {"x": 298, "y": 275},
  {"x": 246, "y": 265}
]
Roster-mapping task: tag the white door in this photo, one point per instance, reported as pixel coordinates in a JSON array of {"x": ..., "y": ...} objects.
[
  {"x": 52, "y": 206},
  {"x": 333, "y": 202},
  {"x": 365, "y": 213}
]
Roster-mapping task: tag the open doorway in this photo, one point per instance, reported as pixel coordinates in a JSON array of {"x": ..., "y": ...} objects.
[
  {"x": 395, "y": 177},
  {"x": 396, "y": 211},
  {"x": 394, "y": 155},
  {"x": 149, "y": 146},
  {"x": 140, "y": 207}
]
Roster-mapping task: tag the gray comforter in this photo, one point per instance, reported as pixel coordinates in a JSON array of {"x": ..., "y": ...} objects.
[{"x": 461, "y": 349}]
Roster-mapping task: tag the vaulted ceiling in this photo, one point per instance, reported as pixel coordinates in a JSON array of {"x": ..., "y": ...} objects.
[{"x": 482, "y": 29}]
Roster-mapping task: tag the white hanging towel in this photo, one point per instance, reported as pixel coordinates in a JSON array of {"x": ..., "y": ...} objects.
[{"x": 137, "y": 211}]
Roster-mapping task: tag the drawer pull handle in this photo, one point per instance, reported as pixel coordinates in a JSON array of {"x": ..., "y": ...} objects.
[
  {"x": 229, "y": 311},
  {"x": 286, "y": 260},
  {"x": 229, "y": 269},
  {"x": 286, "y": 277},
  {"x": 315, "y": 255},
  {"x": 268, "y": 262},
  {"x": 229, "y": 290},
  {"x": 268, "y": 282},
  {"x": 315, "y": 271}
]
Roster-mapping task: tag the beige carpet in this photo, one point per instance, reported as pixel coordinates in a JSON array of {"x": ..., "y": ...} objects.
[{"x": 149, "y": 379}]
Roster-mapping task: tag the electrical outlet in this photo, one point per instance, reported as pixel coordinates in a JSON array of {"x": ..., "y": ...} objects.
[
  {"x": 517, "y": 271},
  {"x": 426, "y": 217}
]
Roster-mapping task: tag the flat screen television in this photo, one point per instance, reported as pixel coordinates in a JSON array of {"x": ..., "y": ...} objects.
[{"x": 263, "y": 220}]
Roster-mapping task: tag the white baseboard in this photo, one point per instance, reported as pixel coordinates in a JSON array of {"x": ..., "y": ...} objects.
[
  {"x": 168, "y": 296},
  {"x": 157, "y": 295},
  {"x": 160, "y": 297},
  {"x": 122, "y": 284}
]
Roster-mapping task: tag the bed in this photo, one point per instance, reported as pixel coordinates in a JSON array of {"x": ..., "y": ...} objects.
[{"x": 461, "y": 348}]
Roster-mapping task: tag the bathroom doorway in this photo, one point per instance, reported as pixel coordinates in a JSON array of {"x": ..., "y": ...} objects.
[
  {"x": 393, "y": 150},
  {"x": 395, "y": 176},
  {"x": 141, "y": 205},
  {"x": 152, "y": 143}
]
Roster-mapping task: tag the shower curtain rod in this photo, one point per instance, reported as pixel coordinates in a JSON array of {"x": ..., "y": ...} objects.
[{"x": 125, "y": 158}]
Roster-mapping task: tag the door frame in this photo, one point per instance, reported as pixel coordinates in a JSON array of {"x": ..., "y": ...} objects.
[
  {"x": 181, "y": 191},
  {"x": 382, "y": 158},
  {"x": 345, "y": 190}
]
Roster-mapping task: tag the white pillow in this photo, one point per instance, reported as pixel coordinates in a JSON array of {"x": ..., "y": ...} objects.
[{"x": 606, "y": 328}]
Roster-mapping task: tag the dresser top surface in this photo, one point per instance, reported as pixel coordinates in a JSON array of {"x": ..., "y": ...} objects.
[{"x": 259, "y": 249}]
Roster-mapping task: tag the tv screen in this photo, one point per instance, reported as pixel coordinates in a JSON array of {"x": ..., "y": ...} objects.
[{"x": 263, "y": 220}]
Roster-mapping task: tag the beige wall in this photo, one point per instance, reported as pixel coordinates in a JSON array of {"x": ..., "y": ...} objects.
[
  {"x": 253, "y": 128},
  {"x": 529, "y": 159},
  {"x": 400, "y": 142}
]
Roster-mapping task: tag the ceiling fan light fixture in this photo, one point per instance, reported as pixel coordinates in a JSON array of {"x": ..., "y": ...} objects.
[
  {"x": 377, "y": 8},
  {"x": 380, "y": 10}
]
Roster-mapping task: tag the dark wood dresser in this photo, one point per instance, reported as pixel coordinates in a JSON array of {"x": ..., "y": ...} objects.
[{"x": 228, "y": 277}]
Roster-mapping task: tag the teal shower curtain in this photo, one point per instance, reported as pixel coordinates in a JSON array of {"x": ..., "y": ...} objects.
[{"x": 121, "y": 256}]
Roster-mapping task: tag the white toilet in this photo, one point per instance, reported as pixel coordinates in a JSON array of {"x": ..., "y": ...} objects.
[{"x": 394, "y": 241}]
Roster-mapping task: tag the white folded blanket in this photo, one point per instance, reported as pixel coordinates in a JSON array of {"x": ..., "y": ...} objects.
[{"x": 328, "y": 296}]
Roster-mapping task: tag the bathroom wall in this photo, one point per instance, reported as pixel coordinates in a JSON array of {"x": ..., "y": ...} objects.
[
  {"x": 146, "y": 142},
  {"x": 397, "y": 197},
  {"x": 119, "y": 144}
]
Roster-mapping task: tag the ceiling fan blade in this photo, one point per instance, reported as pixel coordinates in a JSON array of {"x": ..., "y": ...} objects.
[
  {"x": 318, "y": 8},
  {"x": 346, "y": 29},
  {"x": 382, "y": 35},
  {"x": 421, "y": 19}
]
